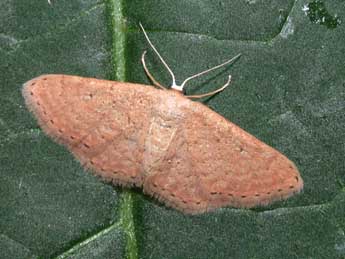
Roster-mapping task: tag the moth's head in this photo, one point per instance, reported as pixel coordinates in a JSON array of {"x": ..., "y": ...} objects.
[
  {"x": 178, "y": 92},
  {"x": 181, "y": 88}
]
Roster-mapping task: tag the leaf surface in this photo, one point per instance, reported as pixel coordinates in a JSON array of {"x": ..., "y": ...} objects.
[{"x": 287, "y": 90}]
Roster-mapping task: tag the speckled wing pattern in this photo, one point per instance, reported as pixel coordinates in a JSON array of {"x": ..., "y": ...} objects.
[
  {"x": 212, "y": 163},
  {"x": 179, "y": 151},
  {"x": 101, "y": 122}
]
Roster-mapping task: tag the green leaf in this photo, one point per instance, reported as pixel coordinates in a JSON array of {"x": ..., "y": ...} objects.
[{"x": 288, "y": 90}]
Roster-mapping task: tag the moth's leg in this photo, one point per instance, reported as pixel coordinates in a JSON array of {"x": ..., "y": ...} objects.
[
  {"x": 149, "y": 74},
  {"x": 213, "y": 92}
]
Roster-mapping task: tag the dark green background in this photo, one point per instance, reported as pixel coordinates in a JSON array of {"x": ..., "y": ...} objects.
[{"x": 287, "y": 90}]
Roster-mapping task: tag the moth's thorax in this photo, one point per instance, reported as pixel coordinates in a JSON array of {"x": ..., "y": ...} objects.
[{"x": 170, "y": 104}]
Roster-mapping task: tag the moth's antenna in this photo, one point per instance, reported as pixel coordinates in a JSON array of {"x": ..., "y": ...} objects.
[
  {"x": 213, "y": 92},
  {"x": 155, "y": 82},
  {"x": 209, "y": 70},
  {"x": 160, "y": 57}
]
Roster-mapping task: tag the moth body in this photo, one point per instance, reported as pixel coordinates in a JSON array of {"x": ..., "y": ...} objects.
[{"x": 177, "y": 150}]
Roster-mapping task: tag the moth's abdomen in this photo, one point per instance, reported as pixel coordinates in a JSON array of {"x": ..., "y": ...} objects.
[
  {"x": 166, "y": 119},
  {"x": 160, "y": 135}
]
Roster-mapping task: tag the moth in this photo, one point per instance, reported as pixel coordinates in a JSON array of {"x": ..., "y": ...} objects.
[{"x": 179, "y": 151}]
